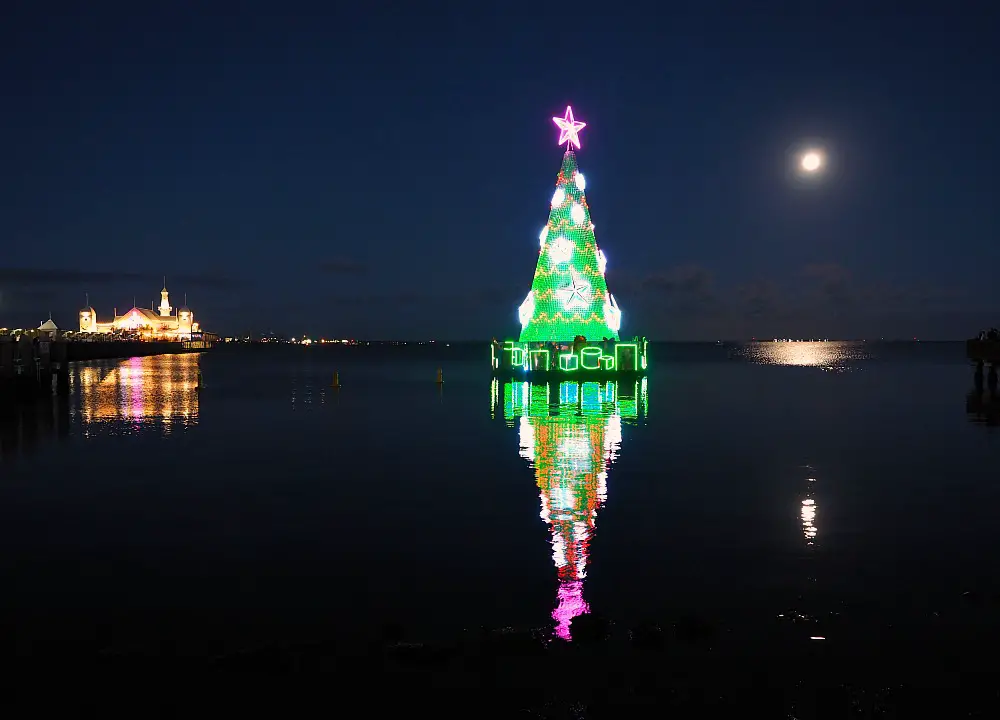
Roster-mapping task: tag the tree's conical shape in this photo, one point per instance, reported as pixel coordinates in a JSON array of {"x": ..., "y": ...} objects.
[{"x": 569, "y": 295}]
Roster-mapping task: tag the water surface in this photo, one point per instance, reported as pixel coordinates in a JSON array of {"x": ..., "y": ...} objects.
[{"x": 826, "y": 486}]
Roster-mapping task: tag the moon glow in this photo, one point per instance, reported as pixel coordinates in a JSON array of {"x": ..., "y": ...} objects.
[{"x": 811, "y": 161}]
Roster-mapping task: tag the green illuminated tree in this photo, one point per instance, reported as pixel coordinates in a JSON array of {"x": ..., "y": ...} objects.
[{"x": 569, "y": 295}]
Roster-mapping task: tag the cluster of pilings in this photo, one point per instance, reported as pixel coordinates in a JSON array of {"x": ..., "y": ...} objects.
[
  {"x": 31, "y": 368},
  {"x": 25, "y": 427},
  {"x": 991, "y": 377},
  {"x": 983, "y": 351},
  {"x": 982, "y": 403}
]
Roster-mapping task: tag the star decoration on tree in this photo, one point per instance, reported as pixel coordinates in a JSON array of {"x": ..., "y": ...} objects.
[
  {"x": 569, "y": 129},
  {"x": 577, "y": 294}
]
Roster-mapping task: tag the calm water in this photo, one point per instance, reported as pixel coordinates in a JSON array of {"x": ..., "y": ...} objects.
[{"x": 824, "y": 486}]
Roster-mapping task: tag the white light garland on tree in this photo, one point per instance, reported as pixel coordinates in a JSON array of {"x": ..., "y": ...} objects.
[
  {"x": 561, "y": 251},
  {"x": 527, "y": 309},
  {"x": 612, "y": 315}
]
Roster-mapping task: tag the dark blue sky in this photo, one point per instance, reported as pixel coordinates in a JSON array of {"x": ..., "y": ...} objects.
[{"x": 383, "y": 171}]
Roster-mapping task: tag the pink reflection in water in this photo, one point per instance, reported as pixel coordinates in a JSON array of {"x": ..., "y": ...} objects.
[
  {"x": 571, "y": 605},
  {"x": 135, "y": 387}
]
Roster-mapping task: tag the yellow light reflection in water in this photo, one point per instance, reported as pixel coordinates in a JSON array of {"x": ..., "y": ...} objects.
[
  {"x": 570, "y": 433},
  {"x": 809, "y": 529},
  {"x": 160, "y": 389},
  {"x": 808, "y": 515},
  {"x": 828, "y": 355}
]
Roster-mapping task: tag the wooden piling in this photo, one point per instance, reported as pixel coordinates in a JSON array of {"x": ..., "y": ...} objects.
[
  {"x": 60, "y": 366},
  {"x": 31, "y": 368},
  {"x": 983, "y": 351},
  {"x": 6, "y": 371}
]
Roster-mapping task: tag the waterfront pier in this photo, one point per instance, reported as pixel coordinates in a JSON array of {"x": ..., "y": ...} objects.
[{"x": 33, "y": 367}]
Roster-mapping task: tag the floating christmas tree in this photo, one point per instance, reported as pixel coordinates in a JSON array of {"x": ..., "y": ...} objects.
[{"x": 569, "y": 296}]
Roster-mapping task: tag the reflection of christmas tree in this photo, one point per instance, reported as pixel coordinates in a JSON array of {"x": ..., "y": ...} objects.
[
  {"x": 569, "y": 295},
  {"x": 570, "y": 440}
]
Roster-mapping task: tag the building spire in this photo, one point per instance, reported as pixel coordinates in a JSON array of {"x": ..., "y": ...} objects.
[{"x": 164, "y": 301}]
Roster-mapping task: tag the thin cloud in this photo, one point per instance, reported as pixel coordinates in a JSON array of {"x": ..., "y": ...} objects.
[
  {"x": 343, "y": 266},
  {"x": 833, "y": 283},
  {"x": 479, "y": 298},
  {"x": 206, "y": 279},
  {"x": 35, "y": 277},
  {"x": 819, "y": 300},
  {"x": 687, "y": 290},
  {"x": 22, "y": 277}
]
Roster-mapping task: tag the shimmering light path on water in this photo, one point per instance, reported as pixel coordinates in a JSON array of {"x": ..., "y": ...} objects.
[{"x": 818, "y": 487}]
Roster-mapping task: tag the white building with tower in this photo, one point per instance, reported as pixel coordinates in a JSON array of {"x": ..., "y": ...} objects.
[{"x": 163, "y": 322}]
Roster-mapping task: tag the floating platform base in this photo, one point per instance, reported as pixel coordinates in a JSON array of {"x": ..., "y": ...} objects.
[{"x": 579, "y": 360}]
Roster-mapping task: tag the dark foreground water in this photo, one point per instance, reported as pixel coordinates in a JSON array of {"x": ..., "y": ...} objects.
[{"x": 814, "y": 490}]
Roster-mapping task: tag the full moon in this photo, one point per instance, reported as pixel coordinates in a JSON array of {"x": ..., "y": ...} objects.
[{"x": 811, "y": 161}]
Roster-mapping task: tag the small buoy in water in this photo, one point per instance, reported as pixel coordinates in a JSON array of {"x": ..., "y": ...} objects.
[
  {"x": 336, "y": 380},
  {"x": 440, "y": 377},
  {"x": 201, "y": 381}
]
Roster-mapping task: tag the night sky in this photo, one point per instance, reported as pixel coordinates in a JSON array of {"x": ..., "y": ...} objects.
[{"x": 383, "y": 171}]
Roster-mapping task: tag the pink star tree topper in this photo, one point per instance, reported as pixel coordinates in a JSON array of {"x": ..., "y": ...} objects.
[{"x": 569, "y": 129}]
